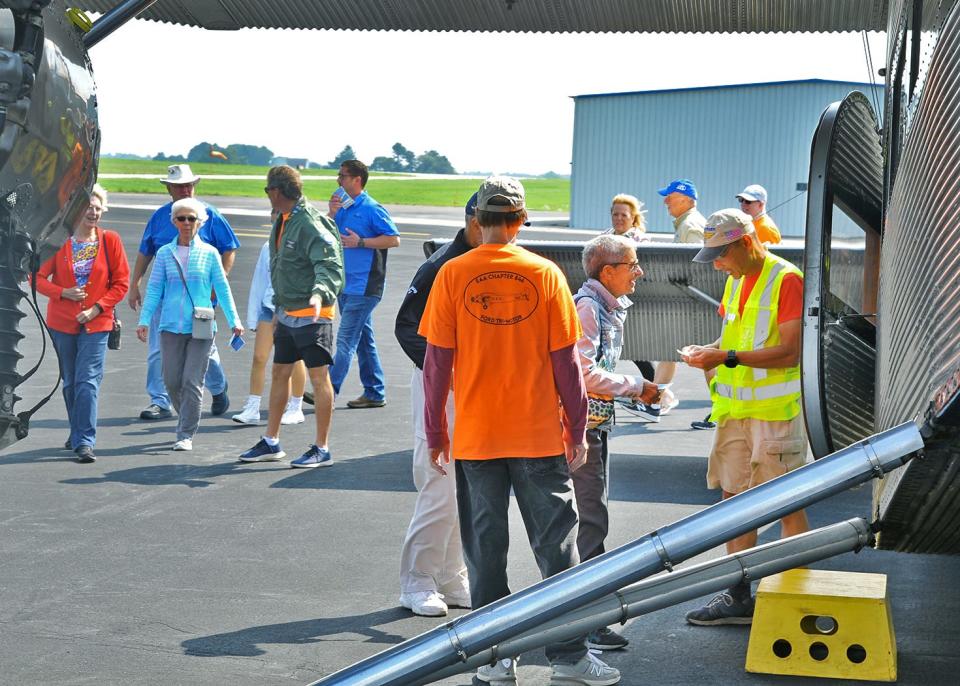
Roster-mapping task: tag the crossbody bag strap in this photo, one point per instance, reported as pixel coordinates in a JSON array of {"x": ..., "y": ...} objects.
[{"x": 183, "y": 279}]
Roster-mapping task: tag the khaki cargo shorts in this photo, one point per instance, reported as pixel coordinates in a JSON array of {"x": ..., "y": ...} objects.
[{"x": 748, "y": 452}]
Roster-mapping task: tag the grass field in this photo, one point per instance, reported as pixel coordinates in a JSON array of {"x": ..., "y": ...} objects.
[
  {"x": 542, "y": 194},
  {"x": 110, "y": 165}
]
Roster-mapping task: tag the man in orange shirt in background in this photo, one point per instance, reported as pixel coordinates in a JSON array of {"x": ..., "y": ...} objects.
[
  {"x": 753, "y": 201},
  {"x": 504, "y": 318}
]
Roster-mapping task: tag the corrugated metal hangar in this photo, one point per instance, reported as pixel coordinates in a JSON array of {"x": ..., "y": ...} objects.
[{"x": 720, "y": 137}]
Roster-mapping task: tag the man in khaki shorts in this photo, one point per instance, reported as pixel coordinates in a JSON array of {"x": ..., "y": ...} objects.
[{"x": 756, "y": 400}]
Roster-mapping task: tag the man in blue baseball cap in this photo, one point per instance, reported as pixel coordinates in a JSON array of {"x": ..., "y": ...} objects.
[
  {"x": 680, "y": 197},
  {"x": 433, "y": 574}
]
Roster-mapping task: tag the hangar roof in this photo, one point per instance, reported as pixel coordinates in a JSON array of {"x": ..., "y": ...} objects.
[{"x": 542, "y": 16}]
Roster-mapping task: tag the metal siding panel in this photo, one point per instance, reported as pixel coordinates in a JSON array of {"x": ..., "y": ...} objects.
[
  {"x": 523, "y": 15},
  {"x": 919, "y": 323},
  {"x": 721, "y": 138}
]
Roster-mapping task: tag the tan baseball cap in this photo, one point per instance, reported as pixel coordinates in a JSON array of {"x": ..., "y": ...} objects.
[
  {"x": 500, "y": 194},
  {"x": 723, "y": 228}
]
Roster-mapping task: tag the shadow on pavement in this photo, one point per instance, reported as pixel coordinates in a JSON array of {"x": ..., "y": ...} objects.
[
  {"x": 246, "y": 642},
  {"x": 676, "y": 479},
  {"x": 192, "y": 476},
  {"x": 384, "y": 472}
]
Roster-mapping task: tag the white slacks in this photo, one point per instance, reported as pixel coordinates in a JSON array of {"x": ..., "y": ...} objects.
[{"x": 432, "y": 557}]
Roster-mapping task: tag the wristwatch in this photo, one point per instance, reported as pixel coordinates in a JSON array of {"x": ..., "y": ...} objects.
[
  {"x": 731, "y": 360},
  {"x": 360, "y": 242}
]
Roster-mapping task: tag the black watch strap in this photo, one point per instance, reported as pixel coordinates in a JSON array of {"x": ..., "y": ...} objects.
[{"x": 732, "y": 360}]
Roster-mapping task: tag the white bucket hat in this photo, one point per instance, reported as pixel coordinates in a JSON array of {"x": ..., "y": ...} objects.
[{"x": 180, "y": 174}]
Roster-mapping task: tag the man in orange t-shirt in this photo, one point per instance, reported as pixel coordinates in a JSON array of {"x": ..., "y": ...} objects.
[
  {"x": 753, "y": 201},
  {"x": 505, "y": 320}
]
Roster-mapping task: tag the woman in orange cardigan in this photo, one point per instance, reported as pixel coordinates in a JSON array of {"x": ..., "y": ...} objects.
[{"x": 84, "y": 280}]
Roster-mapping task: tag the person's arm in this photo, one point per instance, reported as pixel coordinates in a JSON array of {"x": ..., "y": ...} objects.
[
  {"x": 786, "y": 354},
  {"x": 437, "y": 371},
  {"x": 226, "y": 259},
  {"x": 352, "y": 240},
  {"x": 119, "y": 272},
  {"x": 134, "y": 297},
  {"x": 597, "y": 379},
  {"x": 568, "y": 380},
  {"x": 155, "y": 291},
  {"x": 258, "y": 288},
  {"x": 328, "y": 276},
  {"x": 221, "y": 287},
  {"x": 44, "y": 284},
  {"x": 411, "y": 312}
]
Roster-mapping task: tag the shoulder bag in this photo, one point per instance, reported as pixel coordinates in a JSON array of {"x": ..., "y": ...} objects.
[{"x": 203, "y": 317}]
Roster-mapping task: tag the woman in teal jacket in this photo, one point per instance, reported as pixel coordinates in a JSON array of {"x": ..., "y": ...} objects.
[{"x": 185, "y": 272}]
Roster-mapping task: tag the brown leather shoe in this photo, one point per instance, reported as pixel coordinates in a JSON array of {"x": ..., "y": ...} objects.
[{"x": 363, "y": 403}]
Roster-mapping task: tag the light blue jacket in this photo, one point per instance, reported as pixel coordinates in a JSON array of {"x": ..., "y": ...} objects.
[
  {"x": 261, "y": 290},
  {"x": 165, "y": 290}
]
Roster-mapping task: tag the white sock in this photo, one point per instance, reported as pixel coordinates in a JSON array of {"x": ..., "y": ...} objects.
[
  {"x": 271, "y": 441},
  {"x": 295, "y": 403},
  {"x": 253, "y": 400}
]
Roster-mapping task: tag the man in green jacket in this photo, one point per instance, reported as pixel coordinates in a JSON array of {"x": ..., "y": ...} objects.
[{"x": 306, "y": 271}]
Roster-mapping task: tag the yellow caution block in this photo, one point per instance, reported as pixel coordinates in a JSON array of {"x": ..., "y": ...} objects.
[{"x": 837, "y": 625}]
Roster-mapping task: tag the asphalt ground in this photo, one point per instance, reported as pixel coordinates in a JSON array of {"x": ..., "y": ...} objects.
[{"x": 156, "y": 567}]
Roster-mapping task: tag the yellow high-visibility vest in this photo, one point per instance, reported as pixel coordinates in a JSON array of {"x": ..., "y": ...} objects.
[{"x": 770, "y": 394}]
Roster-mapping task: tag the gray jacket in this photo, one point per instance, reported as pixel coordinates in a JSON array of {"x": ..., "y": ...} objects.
[{"x": 602, "y": 317}]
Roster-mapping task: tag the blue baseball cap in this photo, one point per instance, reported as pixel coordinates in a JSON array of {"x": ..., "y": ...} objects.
[
  {"x": 682, "y": 186},
  {"x": 471, "y": 207}
]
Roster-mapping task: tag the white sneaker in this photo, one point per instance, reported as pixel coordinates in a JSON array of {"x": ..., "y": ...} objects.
[
  {"x": 503, "y": 672},
  {"x": 424, "y": 603},
  {"x": 589, "y": 671},
  {"x": 250, "y": 414},
  {"x": 457, "y": 598},
  {"x": 292, "y": 416},
  {"x": 183, "y": 444}
]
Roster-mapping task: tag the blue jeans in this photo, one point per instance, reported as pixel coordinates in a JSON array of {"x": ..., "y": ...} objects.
[
  {"x": 355, "y": 335},
  {"x": 215, "y": 380},
  {"x": 545, "y": 495},
  {"x": 81, "y": 365}
]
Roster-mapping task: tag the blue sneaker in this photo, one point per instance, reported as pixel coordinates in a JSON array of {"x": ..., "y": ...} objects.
[
  {"x": 263, "y": 452},
  {"x": 314, "y": 457}
]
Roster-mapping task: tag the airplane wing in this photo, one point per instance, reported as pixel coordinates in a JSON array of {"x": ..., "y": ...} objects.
[{"x": 551, "y": 16}]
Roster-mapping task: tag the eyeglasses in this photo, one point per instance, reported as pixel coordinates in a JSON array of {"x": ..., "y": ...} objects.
[
  {"x": 634, "y": 266},
  {"x": 341, "y": 175},
  {"x": 744, "y": 201},
  {"x": 267, "y": 189},
  {"x": 186, "y": 218}
]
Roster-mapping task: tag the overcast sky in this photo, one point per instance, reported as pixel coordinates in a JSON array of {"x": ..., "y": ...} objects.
[{"x": 489, "y": 102}]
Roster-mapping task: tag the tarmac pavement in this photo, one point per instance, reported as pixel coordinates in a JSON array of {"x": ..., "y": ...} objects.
[{"x": 153, "y": 567}]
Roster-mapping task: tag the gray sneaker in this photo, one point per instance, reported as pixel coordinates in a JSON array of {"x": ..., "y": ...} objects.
[
  {"x": 502, "y": 672},
  {"x": 723, "y": 608},
  {"x": 589, "y": 671}
]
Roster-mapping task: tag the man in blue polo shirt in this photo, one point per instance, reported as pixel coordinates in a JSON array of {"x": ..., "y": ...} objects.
[
  {"x": 366, "y": 232},
  {"x": 181, "y": 183}
]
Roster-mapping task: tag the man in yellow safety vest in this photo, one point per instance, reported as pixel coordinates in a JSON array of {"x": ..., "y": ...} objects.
[{"x": 756, "y": 398}]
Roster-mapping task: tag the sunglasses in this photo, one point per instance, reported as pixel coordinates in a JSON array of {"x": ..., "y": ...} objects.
[
  {"x": 186, "y": 218},
  {"x": 744, "y": 201},
  {"x": 267, "y": 189}
]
